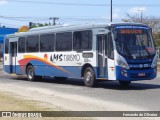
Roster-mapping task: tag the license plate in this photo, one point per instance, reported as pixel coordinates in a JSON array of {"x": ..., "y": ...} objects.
[{"x": 141, "y": 74}]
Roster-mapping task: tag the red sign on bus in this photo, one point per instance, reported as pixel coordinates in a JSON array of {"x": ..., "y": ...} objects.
[{"x": 130, "y": 31}]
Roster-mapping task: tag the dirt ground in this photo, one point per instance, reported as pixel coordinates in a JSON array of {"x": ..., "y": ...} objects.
[{"x": 12, "y": 102}]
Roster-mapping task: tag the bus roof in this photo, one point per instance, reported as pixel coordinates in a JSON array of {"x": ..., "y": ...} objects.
[{"x": 62, "y": 28}]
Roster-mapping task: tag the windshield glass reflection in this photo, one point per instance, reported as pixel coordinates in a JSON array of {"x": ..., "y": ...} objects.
[{"x": 134, "y": 42}]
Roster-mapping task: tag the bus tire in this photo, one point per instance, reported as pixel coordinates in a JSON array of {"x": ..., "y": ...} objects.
[
  {"x": 124, "y": 83},
  {"x": 89, "y": 77},
  {"x": 31, "y": 73}
]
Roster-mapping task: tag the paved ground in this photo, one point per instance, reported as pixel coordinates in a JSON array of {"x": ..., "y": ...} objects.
[{"x": 141, "y": 95}]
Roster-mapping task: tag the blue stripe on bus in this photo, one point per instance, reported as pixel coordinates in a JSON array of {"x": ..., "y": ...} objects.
[
  {"x": 75, "y": 72},
  {"x": 46, "y": 70}
]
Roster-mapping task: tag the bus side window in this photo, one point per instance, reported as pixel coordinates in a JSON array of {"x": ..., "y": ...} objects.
[
  {"x": 106, "y": 45},
  {"x": 13, "y": 49},
  {"x": 110, "y": 47},
  {"x": 47, "y": 42},
  {"x": 64, "y": 41},
  {"x": 21, "y": 45},
  {"x": 6, "y": 46},
  {"x": 32, "y": 43},
  {"x": 82, "y": 40}
]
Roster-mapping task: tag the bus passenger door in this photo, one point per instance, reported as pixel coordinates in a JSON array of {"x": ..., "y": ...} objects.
[
  {"x": 13, "y": 53},
  {"x": 102, "y": 56}
]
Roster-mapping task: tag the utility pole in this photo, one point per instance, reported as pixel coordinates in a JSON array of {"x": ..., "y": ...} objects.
[
  {"x": 54, "y": 19},
  {"x": 111, "y": 10}
]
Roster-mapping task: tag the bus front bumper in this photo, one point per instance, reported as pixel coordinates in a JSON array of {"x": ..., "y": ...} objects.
[{"x": 134, "y": 75}]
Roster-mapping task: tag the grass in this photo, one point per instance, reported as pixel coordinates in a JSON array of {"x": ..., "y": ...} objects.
[{"x": 8, "y": 102}]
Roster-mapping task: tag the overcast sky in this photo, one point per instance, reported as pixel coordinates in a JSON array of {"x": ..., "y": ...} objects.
[{"x": 15, "y": 13}]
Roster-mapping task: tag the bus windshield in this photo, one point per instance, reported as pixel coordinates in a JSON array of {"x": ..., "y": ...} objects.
[{"x": 134, "y": 42}]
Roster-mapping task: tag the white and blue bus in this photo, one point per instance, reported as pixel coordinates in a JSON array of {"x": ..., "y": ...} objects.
[{"x": 122, "y": 52}]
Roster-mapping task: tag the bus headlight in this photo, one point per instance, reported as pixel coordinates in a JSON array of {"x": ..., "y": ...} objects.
[
  {"x": 154, "y": 63},
  {"x": 155, "y": 60},
  {"x": 122, "y": 64}
]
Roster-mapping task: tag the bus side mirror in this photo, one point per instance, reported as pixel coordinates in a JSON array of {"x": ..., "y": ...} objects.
[
  {"x": 150, "y": 30},
  {"x": 115, "y": 35}
]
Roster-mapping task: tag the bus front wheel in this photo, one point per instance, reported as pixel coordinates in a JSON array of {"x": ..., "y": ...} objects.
[
  {"x": 124, "y": 83},
  {"x": 31, "y": 73},
  {"x": 89, "y": 77}
]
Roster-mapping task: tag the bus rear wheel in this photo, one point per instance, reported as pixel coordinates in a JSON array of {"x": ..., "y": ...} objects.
[
  {"x": 31, "y": 73},
  {"x": 125, "y": 83},
  {"x": 89, "y": 77}
]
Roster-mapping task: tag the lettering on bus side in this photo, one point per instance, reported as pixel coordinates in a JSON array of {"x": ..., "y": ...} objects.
[{"x": 61, "y": 57}]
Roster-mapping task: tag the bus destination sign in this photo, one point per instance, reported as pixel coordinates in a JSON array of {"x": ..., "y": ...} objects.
[{"x": 131, "y": 31}]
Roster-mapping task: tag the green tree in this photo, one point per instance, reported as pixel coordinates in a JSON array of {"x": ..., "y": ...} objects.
[{"x": 36, "y": 25}]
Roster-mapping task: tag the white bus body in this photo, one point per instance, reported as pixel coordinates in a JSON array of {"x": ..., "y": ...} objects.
[{"x": 88, "y": 51}]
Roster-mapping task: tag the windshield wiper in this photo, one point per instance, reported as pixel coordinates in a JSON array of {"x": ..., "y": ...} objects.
[
  {"x": 145, "y": 48},
  {"x": 127, "y": 50}
]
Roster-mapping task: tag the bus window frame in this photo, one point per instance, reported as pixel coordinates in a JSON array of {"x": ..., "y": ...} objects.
[
  {"x": 38, "y": 43},
  {"x": 89, "y": 49},
  {"x": 54, "y": 42},
  {"x": 24, "y": 45},
  {"x": 6, "y": 43},
  {"x": 110, "y": 43}
]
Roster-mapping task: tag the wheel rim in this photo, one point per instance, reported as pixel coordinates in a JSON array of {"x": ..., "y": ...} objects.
[
  {"x": 88, "y": 76},
  {"x": 30, "y": 73}
]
